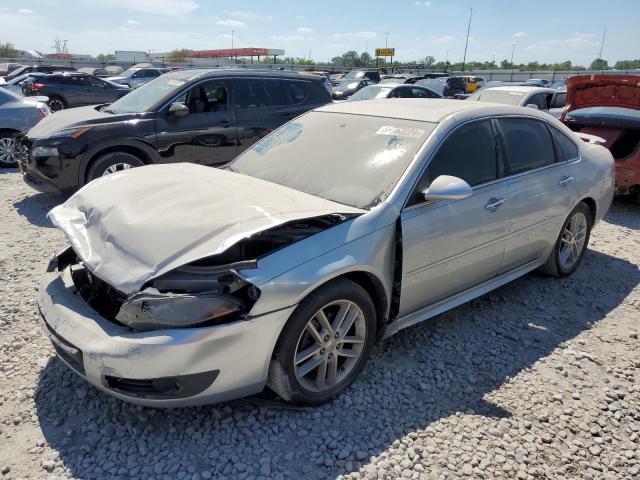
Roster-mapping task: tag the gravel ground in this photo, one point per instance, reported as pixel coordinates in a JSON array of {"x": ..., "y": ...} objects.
[{"x": 539, "y": 379}]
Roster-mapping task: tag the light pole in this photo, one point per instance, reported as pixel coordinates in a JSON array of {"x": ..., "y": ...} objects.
[
  {"x": 513, "y": 48},
  {"x": 231, "y": 39},
  {"x": 464, "y": 59},
  {"x": 386, "y": 39},
  {"x": 604, "y": 32}
]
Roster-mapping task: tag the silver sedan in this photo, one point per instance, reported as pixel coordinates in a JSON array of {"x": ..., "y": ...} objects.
[{"x": 188, "y": 285}]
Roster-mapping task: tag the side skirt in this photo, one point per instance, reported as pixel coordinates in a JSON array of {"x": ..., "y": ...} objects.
[{"x": 460, "y": 298}]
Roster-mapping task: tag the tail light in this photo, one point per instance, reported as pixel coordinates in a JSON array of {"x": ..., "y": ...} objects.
[{"x": 33, "y": 87}]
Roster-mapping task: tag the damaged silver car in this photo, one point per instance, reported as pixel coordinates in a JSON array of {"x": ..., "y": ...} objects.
[{"x": 186, "y": 285}]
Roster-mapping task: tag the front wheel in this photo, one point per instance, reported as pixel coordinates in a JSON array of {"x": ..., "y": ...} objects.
[
  {"x": 324, "y": 345},
  {"x": 571, "y": 244},
  {"x": 56, "y": 104},
  {"x": 8, "y": 150},
  {"x": 112, "y": 162}
]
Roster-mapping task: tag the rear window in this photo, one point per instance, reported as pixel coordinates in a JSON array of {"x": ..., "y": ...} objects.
[{"x": 505, "y": 97}]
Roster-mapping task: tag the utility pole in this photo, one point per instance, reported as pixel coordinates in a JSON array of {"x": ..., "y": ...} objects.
[
  {"x": 464, "y": 59},
  {"x": 231, "y": 39},
  {"x": 604, "y": 32},
  {"x": 386, "y": 39},
  {"x": 513, "y": 48}
]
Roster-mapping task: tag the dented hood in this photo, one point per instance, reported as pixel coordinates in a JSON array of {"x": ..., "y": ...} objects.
[
  {"x": 130, "y": 227},
  {"x": 586, "y": 91}
]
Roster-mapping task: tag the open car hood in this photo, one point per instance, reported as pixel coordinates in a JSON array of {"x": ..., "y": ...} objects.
[
  {"x": 586, "y": 91},
  {"x": 133, "y": 226}
]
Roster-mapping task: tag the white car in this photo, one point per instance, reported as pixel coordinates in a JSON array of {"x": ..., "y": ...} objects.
[{"x": 547, "y": 100}]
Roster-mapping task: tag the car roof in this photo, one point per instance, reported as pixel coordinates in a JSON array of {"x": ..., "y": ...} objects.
[
  {"x": 198, "y": 73},
  {"x": 436, "y": 111},
  {"x": 522, "y": 89}
]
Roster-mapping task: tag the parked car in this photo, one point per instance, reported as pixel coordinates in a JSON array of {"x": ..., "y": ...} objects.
[
  {"x": 7, "y": 68},
  {"x": 348, "y": 87},
  {"x": 472, "y": 83},
  {"x": 559, "y": 85},
  {"x": 72, "y": 89},
  {"x": 15, "y": 84},
  {"x": 414, "y": 79},
  {"x": 114, "y": 70},
  {"x": 200, "y": 116},
  {"x": 372, "y": 75},
  {"x": 345, "y": 226},
  {"x": 135, "y": 77},
  {"x": 537, "y": 82},
  {"x": 17, "y": 115},
  {"x": 37, "y": 69},
  {"x": 606, "y": 109},
  {"x": 391, "y": 90},
  {"x": 544, "y": 99},
  {"x": 445, "y": 86},
  {"x": 336, "y": 78},
  {"x": 98, "y": 72}
]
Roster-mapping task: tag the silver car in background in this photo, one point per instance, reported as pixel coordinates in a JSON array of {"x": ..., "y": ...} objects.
[
  {"x": 549, "y": 100},
  {"x": 17, "y": 115},
  {"x": 393, "y": 90},
  {"x": 187, "y": 285}
]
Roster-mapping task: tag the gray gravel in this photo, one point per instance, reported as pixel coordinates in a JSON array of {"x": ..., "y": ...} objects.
[{"x": 539, "y": 379}]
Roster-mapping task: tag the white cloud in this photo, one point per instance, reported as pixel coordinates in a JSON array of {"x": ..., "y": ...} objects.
[
  {"x": 133, "y": 22},
  {"x": 426, "y": 4},
  {"x": 577, "y": 41},
  {"x": 304, "y": 30},
  {"x": 355, "y": 35},
  {"x": 299, "y": 18},
  {"x": 520, "y": 34},
  {"x": 165, "y": 8},
  {"x": 441, "y": 40},
  {"x": 231, "y": 23},
  {"x": 582, "y": 40},
  {"x": 245, "y": 15},
  {"x": 25, "y": 11}
]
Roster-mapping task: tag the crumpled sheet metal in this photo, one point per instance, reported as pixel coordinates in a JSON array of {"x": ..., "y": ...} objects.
[{"x": 133, "y": 226}]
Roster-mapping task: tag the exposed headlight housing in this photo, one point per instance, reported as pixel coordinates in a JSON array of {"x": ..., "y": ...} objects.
[
  {"x": 44, "y": 152},
  {"x": 152, "y": 310}
]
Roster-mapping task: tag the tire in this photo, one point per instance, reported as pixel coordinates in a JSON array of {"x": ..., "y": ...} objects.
[
  {"x": 287, "y": 380},
  {"x": 56, "y": 104},
  {"x": 556, "y": 266},
  {"x": 112, "y": 162},
  {"x": 8, "y": 150}
]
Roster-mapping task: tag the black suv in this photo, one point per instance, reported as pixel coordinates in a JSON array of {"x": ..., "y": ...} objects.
[
  {"x": 73, "y": 89},
  {"x": 199, "y": 116}
]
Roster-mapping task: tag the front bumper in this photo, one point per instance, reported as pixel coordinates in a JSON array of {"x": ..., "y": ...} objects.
[{"x": 217, "y": 363}]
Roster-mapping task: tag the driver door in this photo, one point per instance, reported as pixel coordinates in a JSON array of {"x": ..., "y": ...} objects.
[
  {"x": 450, "y": 246},
  {"x": 207, "y": 135}
]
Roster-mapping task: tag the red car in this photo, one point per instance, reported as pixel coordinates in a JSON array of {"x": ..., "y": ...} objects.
[{"x": 608, "y": 107}]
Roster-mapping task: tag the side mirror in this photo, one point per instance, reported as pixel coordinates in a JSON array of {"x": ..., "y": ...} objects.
[
  {"x": 178, "y": 109},
  {"x": 446, "y": 187},
  {"x": 532, "y": 105}
]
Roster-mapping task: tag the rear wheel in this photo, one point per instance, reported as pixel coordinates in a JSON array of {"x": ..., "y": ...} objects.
[
  {"x": 112, "y": 162},
  {"x": 571, "y": 244},
  {"x": 56, "y": 104},
  {"x": 324, "y": 345},
  {"x": 8, "y": 150}
]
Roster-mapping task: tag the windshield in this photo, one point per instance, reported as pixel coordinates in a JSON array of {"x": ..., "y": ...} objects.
[
  {"x": 144, "y": 98},
  {"x": 348, "y": 85},
  {"x": 355, "y": 160},
  {"x": 371, "y": 92},
  {"x": 353, "y": 74},
  {"x": 17, "y": 71},
  {"x": 505, "y": 97}
]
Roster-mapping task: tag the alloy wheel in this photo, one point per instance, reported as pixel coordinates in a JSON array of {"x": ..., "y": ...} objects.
[
  {"x": 116, "y": 167},
  {"x": 8, "y": 150},
  {"x": 56, "y": 105},
  {"x": 573, "y": 240},
  {"x": 330, "y": 346}
]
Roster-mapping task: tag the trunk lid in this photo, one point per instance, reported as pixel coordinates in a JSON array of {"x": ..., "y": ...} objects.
[
  {"x": 133, "y": 226},
  {"x": 586, "y": 91}
]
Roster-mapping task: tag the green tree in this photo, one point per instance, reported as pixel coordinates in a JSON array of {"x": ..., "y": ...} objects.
[
  {"x": 7, "y": 50},
  {"x": 627, "y": 64},
  {"x": 429, "y": 61},
  {"x": 179, "y": 55},
  {"x": 599, "y": 64},
  {"x": 106, "y": 57}
]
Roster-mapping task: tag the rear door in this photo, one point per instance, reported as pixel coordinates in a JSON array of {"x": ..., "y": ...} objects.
[
  {"x": 451, "y": 246},
  {"x": 207, "y": 135},
  {"x": 542, "y": 186}
]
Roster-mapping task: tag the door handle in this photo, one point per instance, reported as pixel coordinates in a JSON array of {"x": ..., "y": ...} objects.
[
  {"x": 566, "y": 181},
  {"x": 494, "y": 203}
]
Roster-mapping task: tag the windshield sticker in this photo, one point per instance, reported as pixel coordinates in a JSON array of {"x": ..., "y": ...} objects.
[
  {"x": 286, "y": 134},
  {"x": 400, "y": 132}
]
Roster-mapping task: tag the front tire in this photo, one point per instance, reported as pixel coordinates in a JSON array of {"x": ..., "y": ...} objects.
[
  {"x": 571, "y": 244},
  {"x": 112, "y": 162},
  {"x": 324, "y": 345},
  {"x": 8, "y": 150}
]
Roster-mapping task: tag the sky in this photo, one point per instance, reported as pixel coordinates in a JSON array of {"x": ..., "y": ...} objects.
[{"x": 543, "y": 30}]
